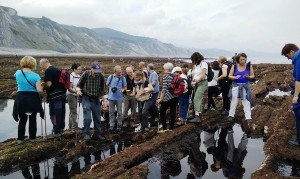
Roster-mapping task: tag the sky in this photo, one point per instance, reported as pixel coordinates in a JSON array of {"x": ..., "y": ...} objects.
[{"x": 235, "y": 25}]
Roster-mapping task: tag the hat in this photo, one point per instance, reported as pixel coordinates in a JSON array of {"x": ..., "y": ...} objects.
[
  {"x": 176, "y": 69},
  {"x": 97, "y": 67}
]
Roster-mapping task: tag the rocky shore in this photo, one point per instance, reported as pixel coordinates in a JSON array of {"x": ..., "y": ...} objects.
[{"x": 272, "y": 119}]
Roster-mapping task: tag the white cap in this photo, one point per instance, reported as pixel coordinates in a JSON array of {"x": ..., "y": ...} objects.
[{"x": 176, "y": 69}]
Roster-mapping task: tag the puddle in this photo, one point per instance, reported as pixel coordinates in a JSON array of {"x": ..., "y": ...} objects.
[
  {"x": 50, "y": 169},
  {"x": 218, "y": 152},
  {"x": 277, "y": 92},
  {"x": 288, "y": 168}
]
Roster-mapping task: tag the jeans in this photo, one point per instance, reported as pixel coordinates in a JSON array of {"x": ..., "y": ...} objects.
[
  {"x": 183, "y": 105},
  {"x": 57, "y": 115},
  {"x": 297, "y": 118},
  {"x": 211, "y": 92},
  {"x": 130, "y": 102},
  {"x": 72, "y": 101},
  {"x": 22, "y": 126},
  {"x": 112, "y": 105},
  {"x": 172, "y": 104},
  {"x": 143, "y": 112},
  {"x": 154, "y": 110},
  {"x": 91, "y": 107}
]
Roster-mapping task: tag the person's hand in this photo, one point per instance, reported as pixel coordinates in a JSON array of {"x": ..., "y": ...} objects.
[
  {"x": 158, "y": 101},
  {"x": 246, "y": 76},
  {"x": 122, "y": 90},
  {"x": 79, "y": 93},
  {"x": 193, "y": 84},
  {"x": 295, "y": 99},
  {"x": 237, "y": 76}
]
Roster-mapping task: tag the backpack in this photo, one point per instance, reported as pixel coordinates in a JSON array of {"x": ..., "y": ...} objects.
[
  {"x": 64, "y": 79},
  {"x": 210, "y": 73},
  {"x": 177, "y": 86}
]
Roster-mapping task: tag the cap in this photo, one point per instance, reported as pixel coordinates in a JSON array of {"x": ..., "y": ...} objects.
[
  {"x": 97, "y": 67},
  {"x": 176, "y": 69}
]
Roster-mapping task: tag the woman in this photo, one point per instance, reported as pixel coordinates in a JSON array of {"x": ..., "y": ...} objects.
[
  {"x": 240, "y": 74},
  {"x": 28, "y": 101},
  {"x": 199, "y": 83},
  {"x": 224, "y": 82},
  {"x": 212, "y": 86},
  {"x": 143, "y": 92},
  {"x": 72, "y": 97},
  {"x": 184, "y": 97},
  {"x": 167, "y": 99}
]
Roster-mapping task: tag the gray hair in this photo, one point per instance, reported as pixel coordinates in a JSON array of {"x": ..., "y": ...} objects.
[
  {"x": 168, "y": 66},
  {"x": 44, "y": 61},
  {"x": 151, "y": 66},
  {"x": 129, "y": 69},
  {"x": 117, "y": 67}
]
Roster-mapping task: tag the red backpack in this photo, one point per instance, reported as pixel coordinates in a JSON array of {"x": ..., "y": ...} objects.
[
  {"x": 64, "y": 79},
  {"x": 177, "y": 86}
]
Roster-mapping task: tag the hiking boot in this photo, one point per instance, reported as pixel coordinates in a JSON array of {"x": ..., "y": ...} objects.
[
  {"x": 230, "y": 119},
  {"x": 224, "y": 112},
  {"x": 196, "y": 119},
  {"x": 98, "y": 137},
  {"x": 20, "y": 142},
  {"x": 32, "y": 140},
  {"x": 293, "y": 143},
  {"x": 87, "y": 138}
]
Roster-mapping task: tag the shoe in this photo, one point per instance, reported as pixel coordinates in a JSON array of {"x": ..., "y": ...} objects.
[
  {"x": 230, "y": 118},
  {"x": 98, "y": 137},
  {"x": 119, "y": 128},
  {"x": 32, "y": 140},
  {"x": 156, "y": 119},
  {"x": 212, "y": 109},
  {"x": 293, "y": 143},
  {"x": 224, "y": 112},
  {"x": 146, "y": 129},
  {"x": 222, "y": 109},
  {"x": 87, "y": 137},
  {"x": 196, "y": 119},
  {"x": 111, "y": 130},
  {"x": 20, "y": 142}
]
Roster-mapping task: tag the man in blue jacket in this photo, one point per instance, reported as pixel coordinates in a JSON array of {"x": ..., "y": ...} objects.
[{"x": 291, "y": 51}]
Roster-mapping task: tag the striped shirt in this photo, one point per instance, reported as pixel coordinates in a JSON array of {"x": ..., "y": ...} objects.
[
  {"x": 91, "y": 86},
  {"x": 167, "y": 80}
]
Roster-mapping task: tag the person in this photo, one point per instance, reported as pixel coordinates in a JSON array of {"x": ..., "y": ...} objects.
[
  {"x": 91, "y": 88},
  {"x": 184, "y": 97},
  {"x": 142, "y": 67},
  {"x": 28, "y": 102},
  {"x": 72, "y": 97},
  {"x": 212, "y": 86},
  {"x": 167, "y": 100},
  {"x": 292, "y": 52},
  {"x": 225, "y": 83},
  {"x": 133, "y": 65},
  {"x": 56, "y": 96},
  {"x": 154, "y": 81},
  {"x": 117, "y": 85},
  {"x": 199, "y": 83},
  {"x": 240, "y": 88},
  {"x": 143, "y": 94},
  {"x": 129, "y": 98}
]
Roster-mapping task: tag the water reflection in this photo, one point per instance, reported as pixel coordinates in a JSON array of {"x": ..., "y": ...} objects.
[
  {"x": 3, "y": 104},
  {"x": 288, "y": 168}
]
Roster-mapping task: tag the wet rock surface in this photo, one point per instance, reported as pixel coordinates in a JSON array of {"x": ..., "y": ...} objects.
[{"x": 272, "y": 118}]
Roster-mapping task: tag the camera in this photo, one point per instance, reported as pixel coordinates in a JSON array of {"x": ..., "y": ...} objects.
[{"x": 113, "y": 89}]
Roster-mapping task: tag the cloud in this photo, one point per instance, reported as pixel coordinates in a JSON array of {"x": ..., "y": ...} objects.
[{"x": 226, "y": 24}]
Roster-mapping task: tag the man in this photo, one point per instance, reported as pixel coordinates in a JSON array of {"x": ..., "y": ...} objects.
[
  {"x": 117, "y": 85},
  {"x": 56, "y": 96},
  {"x": 292, "y": 52},
  {"x": 91, "y": 88},
  {"x": 144, "y": 69},
  {"x": 130, "y": 100},
  {"x": 154, "y": 81}
]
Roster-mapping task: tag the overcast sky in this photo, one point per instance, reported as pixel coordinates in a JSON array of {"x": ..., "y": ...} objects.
[{"x": 259, "y": 25}]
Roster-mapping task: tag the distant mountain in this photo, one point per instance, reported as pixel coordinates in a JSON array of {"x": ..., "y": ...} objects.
[{"x": 45, "y": 34}]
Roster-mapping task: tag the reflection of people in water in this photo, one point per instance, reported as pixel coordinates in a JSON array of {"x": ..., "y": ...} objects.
[
  {"x": 170, "y": 165},
  {"x": 113, "y": 148},
  {"x": 196, "y": 160},
  {"x": 60, "y": 171},
  {"x": 226, "y": 156},
  {"x": 35, "y": 171},
  {"x": 75, "y": 168},
  {"x": 3, "y": 104}
]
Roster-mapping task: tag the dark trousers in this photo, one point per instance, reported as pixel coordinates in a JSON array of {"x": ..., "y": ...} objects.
[
  {"x": 211, "y": 93},
  {"x": 172, "y": 104},
  {"x": 297, "y": 118},
  {"x": 57, "y": 115},
  {"x": 143, "y": 112},
  {"x": 225, "y": 90},
  {"x": 22, "y": 126},
  {"x": 153, "y": 108}
]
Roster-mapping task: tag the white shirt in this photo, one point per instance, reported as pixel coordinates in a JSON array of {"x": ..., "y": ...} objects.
[
  {"x": 214, "y": 81},
  {"x": 74, "y": 78},
  {"x": 197, "y": 70},
  {"x": 186, "y": 85}
]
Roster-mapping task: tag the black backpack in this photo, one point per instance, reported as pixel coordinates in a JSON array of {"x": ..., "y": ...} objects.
[{"x": 210, "y": 73}]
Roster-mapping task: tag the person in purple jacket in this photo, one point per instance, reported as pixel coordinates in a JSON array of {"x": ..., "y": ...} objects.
[{"x": 292, "y": 52}]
